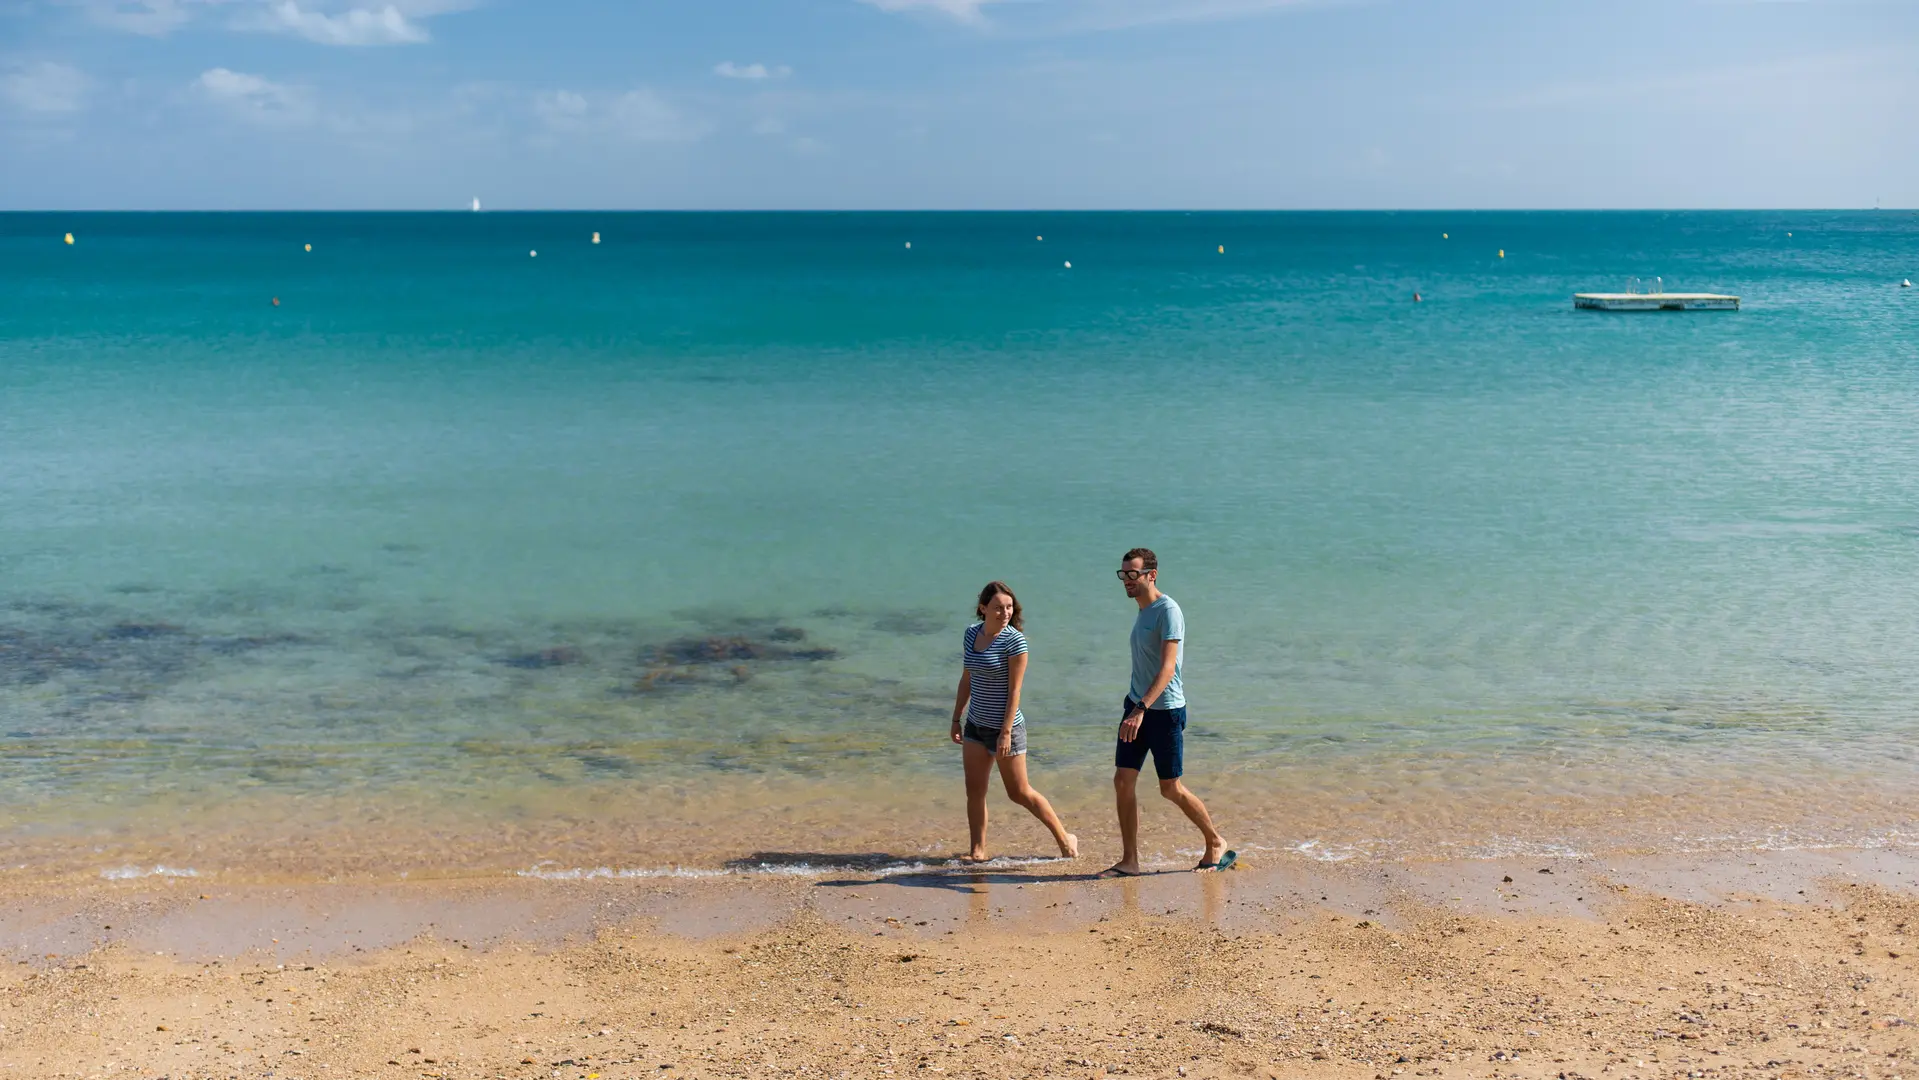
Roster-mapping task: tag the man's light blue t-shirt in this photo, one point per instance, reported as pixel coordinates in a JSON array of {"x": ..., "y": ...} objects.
[{"x": 1158, "y": 623}]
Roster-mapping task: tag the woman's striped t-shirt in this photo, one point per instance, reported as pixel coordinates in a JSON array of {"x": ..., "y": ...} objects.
[{"x": 987, "y": 706}]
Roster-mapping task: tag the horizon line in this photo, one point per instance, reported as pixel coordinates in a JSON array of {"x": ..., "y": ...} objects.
[{"x": 982, "y": 210}]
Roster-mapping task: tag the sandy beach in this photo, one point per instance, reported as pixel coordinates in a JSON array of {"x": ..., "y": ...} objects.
[{"x": 1764, "y": 965}]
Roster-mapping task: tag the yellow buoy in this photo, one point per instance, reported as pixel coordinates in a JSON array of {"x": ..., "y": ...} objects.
[
  {"x": 596, "y": 238},
  {"x": 309, "y": 247},
  {"x": 1222, "y": 249},
  {"x": 1039, "y": 238},
  {"x": 1502, "y": 253},
  {"x": 1445, "y": 236},
  {"x": 69, "y": 238}
]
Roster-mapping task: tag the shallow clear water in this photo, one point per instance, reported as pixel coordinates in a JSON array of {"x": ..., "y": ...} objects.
[{"x": 455, "y": 532}]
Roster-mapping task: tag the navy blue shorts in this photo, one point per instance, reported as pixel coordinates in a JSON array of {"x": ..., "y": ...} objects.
[{"x": 1163, "y": 732}]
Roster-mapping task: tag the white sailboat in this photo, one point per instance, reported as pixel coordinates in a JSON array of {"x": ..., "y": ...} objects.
[{"x": 476, "y": 204}]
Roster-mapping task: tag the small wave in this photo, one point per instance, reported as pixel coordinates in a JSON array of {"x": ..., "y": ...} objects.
[
  {"x": 583, "y": 873},
  {"x": 1320, "y": 851},
  {"x": 129, "y": 873},
  {"x": 548, "y": 872},
  {"x": 1503, "y": 847},
  {"x": 1786, "y": 840}
]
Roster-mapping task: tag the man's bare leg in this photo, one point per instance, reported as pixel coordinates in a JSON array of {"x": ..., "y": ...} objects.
[
  {"x": 1179, "y": 795},
  {"x": 1126, "y": 792}
]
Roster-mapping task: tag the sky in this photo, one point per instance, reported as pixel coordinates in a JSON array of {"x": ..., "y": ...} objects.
[{"x": 957, "y": 104}]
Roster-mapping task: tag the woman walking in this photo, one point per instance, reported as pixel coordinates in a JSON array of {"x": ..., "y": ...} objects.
[{"x": 986, "y": 718}]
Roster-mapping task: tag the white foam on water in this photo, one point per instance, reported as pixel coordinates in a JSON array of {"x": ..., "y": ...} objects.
[
  {"x": 1785, "y": 840},
  {"x": 1504, "y": 847},
  {"x": 583, "y": 873},
  {"x": 548, "y": 872},
  {"x": 130, "y": 873},
  {"x": 797, "y": 869},
  {"x": 1000, "y": 862},
  {"x": 1320, "y": 851}
]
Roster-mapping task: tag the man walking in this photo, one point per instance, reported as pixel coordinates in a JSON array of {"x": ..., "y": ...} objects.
[{"x": 1155, "y": 717}]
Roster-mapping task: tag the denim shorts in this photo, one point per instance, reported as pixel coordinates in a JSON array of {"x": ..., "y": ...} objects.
[
  {"x": 989, "y": 737},
  {"x": 1163, "y": 732}
]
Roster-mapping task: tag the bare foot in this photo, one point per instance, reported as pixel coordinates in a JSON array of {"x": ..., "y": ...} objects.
[{"x": 1069, "y": 848}]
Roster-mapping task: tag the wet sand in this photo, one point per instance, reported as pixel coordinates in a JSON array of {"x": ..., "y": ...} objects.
[{"x": 1791, "y": 964}]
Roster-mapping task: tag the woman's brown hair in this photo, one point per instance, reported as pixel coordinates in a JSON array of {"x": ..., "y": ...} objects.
[{"x": 992, "y": 589}]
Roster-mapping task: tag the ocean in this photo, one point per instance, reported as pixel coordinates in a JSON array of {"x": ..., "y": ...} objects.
[{"x": 416, "y": 552}]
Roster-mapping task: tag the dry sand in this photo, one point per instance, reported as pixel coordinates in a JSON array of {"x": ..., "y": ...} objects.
[{"x": 1736, "y": 965}]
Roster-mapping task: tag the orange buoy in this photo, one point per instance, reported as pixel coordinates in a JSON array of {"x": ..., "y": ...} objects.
[{"x": 276, "y": 301}]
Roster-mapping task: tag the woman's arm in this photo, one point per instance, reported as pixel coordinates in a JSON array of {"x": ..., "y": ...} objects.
[
  {"x": 1015, "y": 677},
  {"x": 959, "y": 700}
]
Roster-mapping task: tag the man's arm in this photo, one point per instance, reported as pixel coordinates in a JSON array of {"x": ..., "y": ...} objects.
[{"x": 1168, "y": 665}]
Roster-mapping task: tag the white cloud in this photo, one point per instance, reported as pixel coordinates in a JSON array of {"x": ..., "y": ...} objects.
[
  {"x": 358, "y": 26},
  {"x": 966, "y": 11},
  {"x": 1092, "y": 16},
  {"x": 644, "y": 115},
  {"x": 636, "y": 116},
  {"x": 327, "y": 22},
  {"x": 562, "y": 110},
  {"x": 150, "y": 18},
  {"x": 47, "y": 89},
  {"x": 254, "y": 97},
  {"x": 727, "y": 69}
]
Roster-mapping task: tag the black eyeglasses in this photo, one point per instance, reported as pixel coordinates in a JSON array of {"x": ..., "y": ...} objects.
[{"x": 1133, "y": 575}]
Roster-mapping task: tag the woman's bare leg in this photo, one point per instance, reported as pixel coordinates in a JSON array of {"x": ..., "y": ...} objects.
[
  {"x": 1012, "y": 772},
  {"x": 979, "y": 774}
]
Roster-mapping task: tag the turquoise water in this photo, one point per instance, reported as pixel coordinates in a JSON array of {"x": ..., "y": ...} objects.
[{"x": 455, "y": 526}]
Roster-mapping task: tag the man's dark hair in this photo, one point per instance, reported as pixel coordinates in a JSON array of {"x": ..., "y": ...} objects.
[{"x": 1147, "y": 560}]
